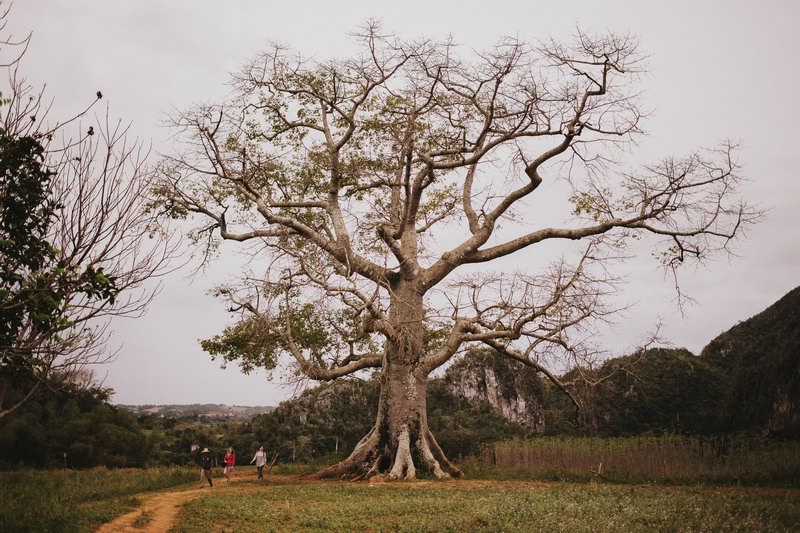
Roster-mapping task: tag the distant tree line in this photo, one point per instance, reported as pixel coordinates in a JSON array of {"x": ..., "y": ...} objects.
[
  {"x": 653, "y": 392},
  {"x": 74, "y": 427}
]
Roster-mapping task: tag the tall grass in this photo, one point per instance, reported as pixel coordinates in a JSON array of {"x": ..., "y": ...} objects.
[
  {"x": 75, "y": 501},
  {"x": 671, "y": 458}
]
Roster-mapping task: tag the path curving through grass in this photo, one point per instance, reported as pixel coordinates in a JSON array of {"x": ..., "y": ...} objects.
[{"x": 293, "y": 503}]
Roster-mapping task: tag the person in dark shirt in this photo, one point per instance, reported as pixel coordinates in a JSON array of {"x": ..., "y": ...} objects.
[{"x": 205, "y": 468}]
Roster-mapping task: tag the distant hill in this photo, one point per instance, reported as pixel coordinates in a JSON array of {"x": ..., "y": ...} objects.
[
  {"x": 209, "y": 410},
  {"x": 747, "y": 379},
  {"x": 759, "y": 360},
  {"x": 331, "y": 418},
  {"x": 658, "y": 390}
]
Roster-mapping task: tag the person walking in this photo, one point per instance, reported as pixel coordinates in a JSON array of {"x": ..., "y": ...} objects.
[
  {"x": 260, "y": 459},
  {"x": 205, "y": 468},
  {"x": 230, "y": 462}
]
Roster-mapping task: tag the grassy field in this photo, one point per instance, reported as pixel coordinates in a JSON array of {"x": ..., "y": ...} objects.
[
  {"x": 77, "y": 501},
  {"x": 488, "y": 506},
  {"x": 644, "y": 459}
]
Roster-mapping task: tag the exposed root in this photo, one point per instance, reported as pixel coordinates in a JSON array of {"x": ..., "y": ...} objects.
[
  {"x": 438, "y": 453},
  {"x": 360, "y": 464},
  {"x": 430, "y": 460},
  {"x": 403, "y": 467},
  {"x": 370, "y": 459}
]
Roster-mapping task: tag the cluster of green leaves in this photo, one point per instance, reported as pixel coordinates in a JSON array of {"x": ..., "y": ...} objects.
[
  {"x": 36, "y": 284},
  {"x": 26, "y": 213},
  {"x": 77, "y": 501},
  {"x": 250, "y": 342},
  {"x": 256, "y": 341}
]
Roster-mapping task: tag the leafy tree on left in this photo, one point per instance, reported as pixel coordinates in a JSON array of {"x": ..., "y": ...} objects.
[
  {"x": 26, "y": 213},
  {"x": 77, "y": 242}
]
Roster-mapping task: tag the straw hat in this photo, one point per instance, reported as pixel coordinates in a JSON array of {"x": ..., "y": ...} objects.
[{"x": 205, "y": 450}]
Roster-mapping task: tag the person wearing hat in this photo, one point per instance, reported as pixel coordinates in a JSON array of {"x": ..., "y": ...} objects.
[{"x": 205, "y": 467}]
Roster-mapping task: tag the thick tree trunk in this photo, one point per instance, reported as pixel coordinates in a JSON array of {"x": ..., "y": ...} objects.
[{"x": 400, "y": 446}]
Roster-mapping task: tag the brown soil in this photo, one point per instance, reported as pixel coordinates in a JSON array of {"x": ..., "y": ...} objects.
[{"x": 159, "y": 511}]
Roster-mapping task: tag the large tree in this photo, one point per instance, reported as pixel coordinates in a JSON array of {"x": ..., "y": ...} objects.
[{"x": 360, "y": 185}]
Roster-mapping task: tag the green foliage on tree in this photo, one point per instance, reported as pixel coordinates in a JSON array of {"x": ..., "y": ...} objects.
[
  {"x": 246, "y": 343},
  {"x": 26, "y": 212},
  {"x": 35, "y": 285}
]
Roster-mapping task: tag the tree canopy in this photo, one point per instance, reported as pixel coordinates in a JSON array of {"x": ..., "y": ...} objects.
[{"x": 361, "y": 185}]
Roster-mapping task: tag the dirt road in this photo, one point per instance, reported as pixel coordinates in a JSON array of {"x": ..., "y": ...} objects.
[{"x": 158, "y": 511}]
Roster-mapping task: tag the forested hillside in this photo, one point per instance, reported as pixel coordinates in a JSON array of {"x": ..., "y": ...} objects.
[
  {"x": 746, "y": 380},
  {"x": 78, "y": 428},
  {"x": 659, "y": 390},
  {"x": 332, "y": 418},
  {"x": 759, "y": 363}
]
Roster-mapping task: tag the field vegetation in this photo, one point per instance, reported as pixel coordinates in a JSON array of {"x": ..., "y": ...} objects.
[
  {"x": 78, "y": 501},
  {"x": 488, "y": 506},
  {"x": 643, "y": 459}
]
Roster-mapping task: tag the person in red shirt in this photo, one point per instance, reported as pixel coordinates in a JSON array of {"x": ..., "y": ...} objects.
[{"x": 230, "y": 462}]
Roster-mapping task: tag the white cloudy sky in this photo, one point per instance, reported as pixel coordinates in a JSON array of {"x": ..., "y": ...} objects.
[{"x": 718, "y": 70}]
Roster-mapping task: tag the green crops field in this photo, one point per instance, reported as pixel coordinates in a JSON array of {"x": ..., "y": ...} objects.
[
  {"x": 77, "y": 501},
  {"x": 57, "y": 501},
  {"x": 732, "y": 460},
  {"x": 490, "y": 506}
]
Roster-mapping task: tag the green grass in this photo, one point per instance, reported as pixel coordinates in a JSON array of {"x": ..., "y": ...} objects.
[
  {"x": 77, "y": 501},
  {"x": 497, "y": 507}
]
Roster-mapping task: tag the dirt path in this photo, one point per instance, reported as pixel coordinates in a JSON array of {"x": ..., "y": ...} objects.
[
  {"x": 158, "y": 511},
  {"x": 156, "y": 514}
]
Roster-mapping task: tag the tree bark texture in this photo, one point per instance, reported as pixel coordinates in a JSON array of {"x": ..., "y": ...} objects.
[{"x": 400, "y": 446}]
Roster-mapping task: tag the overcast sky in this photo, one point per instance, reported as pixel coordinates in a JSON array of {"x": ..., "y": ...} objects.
[{"x": 718, "y": 70}]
